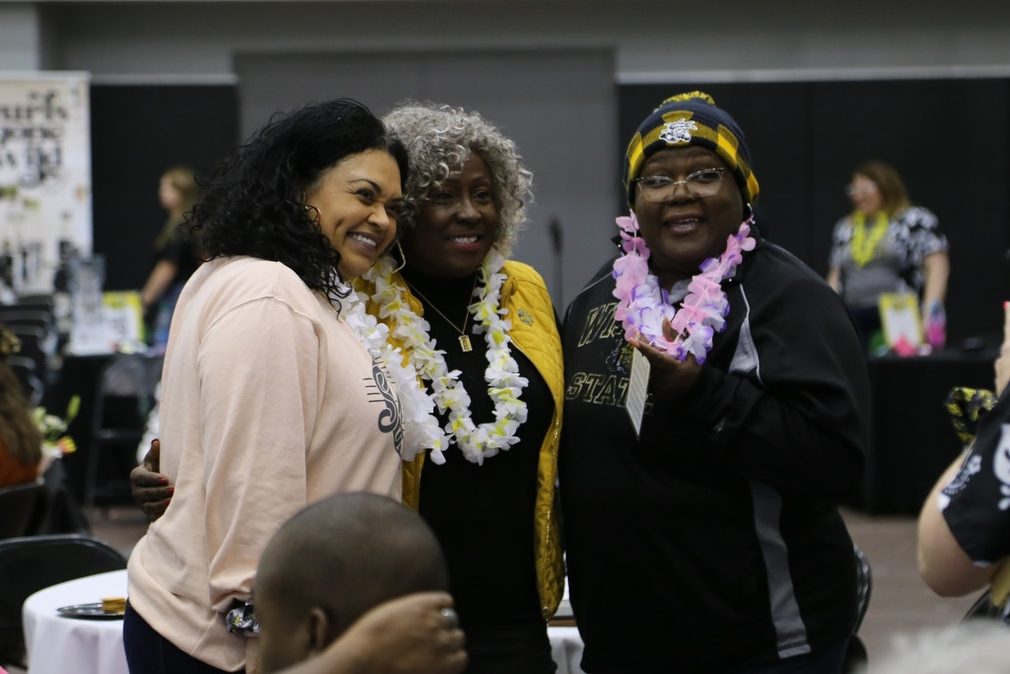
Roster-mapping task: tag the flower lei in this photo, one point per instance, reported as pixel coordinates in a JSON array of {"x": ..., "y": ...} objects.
[
  {"x": 477, "y": 442},
  {"x": 420, "y": 426},
  {"x": 863, "y": 246},
  {"x": 644, "y": 305}
]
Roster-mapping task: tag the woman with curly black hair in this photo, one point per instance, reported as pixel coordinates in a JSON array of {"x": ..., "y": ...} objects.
[{"x": 272, "y": 393}]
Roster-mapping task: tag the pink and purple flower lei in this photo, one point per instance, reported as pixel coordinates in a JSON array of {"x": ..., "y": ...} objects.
[{"x": 643, "y": 305}]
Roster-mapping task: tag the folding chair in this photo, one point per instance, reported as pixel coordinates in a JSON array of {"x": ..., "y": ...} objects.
[
  {"x": 26, "y": 371},
  {"x": 855, "y": 654},
  {"x": 123, "y": 397},
  {"x": 29, "y": 564}
]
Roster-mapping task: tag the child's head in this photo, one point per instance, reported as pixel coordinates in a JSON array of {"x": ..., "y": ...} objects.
[{"x": 332, "y": 562}]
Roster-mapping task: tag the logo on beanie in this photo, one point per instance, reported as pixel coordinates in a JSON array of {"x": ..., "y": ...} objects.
[{"x": 678, "y": 131}]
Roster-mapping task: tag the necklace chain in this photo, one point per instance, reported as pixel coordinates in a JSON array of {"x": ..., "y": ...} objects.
[{"x": 466, "y": 318}]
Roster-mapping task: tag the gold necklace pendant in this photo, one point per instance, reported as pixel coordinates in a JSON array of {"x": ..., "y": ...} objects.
[{"x": 464, "y": 339}]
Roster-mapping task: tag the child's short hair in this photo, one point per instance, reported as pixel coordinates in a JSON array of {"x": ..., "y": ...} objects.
[{"x": 340, "y": 557}]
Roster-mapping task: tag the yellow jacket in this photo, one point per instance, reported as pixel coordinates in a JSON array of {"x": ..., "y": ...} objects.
[{"x": 535, "y": 333}]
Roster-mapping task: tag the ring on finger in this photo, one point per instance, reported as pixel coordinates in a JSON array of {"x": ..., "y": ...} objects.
[{"x": 451, "y": 617}]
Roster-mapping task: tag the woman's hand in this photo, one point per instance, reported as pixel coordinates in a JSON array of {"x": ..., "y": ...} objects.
[
  {"x": 151, "y": 490},
  {"x": 669, "y": 378}
]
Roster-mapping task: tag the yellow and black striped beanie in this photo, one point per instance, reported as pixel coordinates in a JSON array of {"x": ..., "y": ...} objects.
[{"x": 691, "y": 118}]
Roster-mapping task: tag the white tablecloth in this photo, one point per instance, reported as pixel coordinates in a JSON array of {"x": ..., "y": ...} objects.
[
  {"x": 566, "y": 647},
  {"x": 56, "y": 644}
]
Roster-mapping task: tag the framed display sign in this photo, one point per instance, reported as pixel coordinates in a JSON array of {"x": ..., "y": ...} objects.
[
  {"x": 900, "y": 320},
  {"x": 45, "y": 175}
]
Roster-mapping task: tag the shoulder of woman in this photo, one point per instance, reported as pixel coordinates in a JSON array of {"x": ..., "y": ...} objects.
[
  {"x": 917, "y": 216},
  {"x": 248, "y": 278},
  {"x": 523, "y": 273}
]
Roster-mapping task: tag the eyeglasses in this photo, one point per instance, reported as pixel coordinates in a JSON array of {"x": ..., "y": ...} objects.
[{"x": 700, "y": 184}]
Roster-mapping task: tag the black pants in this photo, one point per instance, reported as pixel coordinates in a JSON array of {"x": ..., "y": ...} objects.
[
  {"x": 147, "y": 652},
  {"x": 522, "y": 649}
]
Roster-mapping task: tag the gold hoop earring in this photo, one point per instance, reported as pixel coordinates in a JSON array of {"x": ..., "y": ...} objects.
[
  {"x": 312, "y": 213},
  {"x": 403, "y": 257}
]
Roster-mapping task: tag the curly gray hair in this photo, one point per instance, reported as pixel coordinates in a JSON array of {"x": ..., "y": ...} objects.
[{"x": 439, "y": 140}]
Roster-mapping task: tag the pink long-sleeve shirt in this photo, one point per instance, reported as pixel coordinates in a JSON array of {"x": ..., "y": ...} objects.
[{"x": 268, "y": 402}]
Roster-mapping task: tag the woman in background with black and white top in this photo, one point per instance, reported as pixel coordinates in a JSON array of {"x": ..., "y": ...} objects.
[{"x": 888, "y": 245}]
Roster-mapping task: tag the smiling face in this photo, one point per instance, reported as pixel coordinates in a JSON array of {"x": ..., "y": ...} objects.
[
  {"x": 356, "y": 199},
  {"x": 865, "y": 195},
  {"x": 456, "y": 226},
  {"x": 684, "y": 230}
]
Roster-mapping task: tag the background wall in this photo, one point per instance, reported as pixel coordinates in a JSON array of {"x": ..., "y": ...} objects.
[
  {"x": 817, "y": 86},
  {"x": 137, "y": 132},
  {"x": 556, "y": 104}
]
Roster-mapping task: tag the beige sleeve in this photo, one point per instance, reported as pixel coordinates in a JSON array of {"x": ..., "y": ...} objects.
[{"x": 259, "y": 369}]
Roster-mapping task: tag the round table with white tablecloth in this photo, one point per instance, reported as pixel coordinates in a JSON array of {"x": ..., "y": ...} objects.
[{"x": 56, "y": 644}]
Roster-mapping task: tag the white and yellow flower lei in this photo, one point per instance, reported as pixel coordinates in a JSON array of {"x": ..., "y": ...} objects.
[
  {"x": 420, "y": 427},
  {"x": 477, "y": 442}
]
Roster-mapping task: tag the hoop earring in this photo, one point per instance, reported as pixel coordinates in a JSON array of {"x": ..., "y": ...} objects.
[
  {"x": 403, "y": 257},
  {"x": 748, "y": 214},
  {"x": 312, "y": 213}
]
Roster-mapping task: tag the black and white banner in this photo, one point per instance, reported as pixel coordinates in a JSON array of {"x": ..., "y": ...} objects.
[{"x": 45, "y": 174}]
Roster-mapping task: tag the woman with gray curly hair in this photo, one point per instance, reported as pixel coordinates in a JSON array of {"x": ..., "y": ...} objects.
[{"x": 481, "y": 331}]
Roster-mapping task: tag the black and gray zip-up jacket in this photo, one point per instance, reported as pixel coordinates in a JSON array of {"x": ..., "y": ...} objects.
[{"x": 713, "y": 542}]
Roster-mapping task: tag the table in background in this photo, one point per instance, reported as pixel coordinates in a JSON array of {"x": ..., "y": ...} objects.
[
  {"x": 55, "y": 644},
  {"x": 912, "y": 440}
]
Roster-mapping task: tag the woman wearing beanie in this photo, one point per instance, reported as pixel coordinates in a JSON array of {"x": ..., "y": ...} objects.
[
  {"x": 887, "y": 245},
  {"x": 708, "y": 539}
]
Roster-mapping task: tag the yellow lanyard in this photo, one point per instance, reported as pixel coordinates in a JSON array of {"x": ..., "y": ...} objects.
[{"x": 863, "y": 246}]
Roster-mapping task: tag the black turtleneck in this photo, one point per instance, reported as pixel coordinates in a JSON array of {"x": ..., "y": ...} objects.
[{"x": 483, "y": 515}]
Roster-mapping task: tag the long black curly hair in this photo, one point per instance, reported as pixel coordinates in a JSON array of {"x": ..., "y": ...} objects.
[{"x": 254, "y": 203}]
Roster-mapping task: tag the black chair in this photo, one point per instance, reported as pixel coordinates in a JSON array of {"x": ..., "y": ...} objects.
[
  {"x": 864, "y": 586},
  {"x": 123, "y": 397},
  {"x": 36, "y": 345},
  {"x": 38, "y": 302},
  {"x": 855, "y": 654},
  {"x": 14, "y": 315},
  {"x": 27, "y": 374},
  {"x": 21, "y": 507},
  {"x": 32, "y": 563},
  {"x": 984, "y": 609}
]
